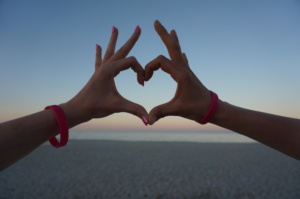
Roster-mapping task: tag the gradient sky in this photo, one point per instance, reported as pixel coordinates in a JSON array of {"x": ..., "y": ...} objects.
[{"x": 246, "y": 51}]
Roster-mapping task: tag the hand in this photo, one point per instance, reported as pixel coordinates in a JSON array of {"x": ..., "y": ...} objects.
[
  {"x": 192, "y": 99},
  {"x": 100, "y": 97}
]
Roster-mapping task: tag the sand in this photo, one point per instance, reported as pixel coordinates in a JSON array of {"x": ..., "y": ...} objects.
[{"x": 115, "y": 169}]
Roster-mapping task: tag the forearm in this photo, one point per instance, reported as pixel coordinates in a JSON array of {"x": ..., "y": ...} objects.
[
  {"x": 280, "y": 133},
  {"x": 21, "y": 136}
]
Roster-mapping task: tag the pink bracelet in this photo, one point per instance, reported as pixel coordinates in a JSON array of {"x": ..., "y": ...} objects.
[
  {"x": 212, "y": 109},
  {"x": 63, "y": 127}
]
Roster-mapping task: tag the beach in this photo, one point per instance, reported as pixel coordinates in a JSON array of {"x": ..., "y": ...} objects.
[{"x": 158, "y": 170}]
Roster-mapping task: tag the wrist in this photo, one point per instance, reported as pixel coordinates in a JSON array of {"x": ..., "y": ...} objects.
[
  {"x": 222, "y": 115},
  {"x": 210, "y": 114},
  {"x": 75, "y": 113},
  {"x": 63, "y": 127}
]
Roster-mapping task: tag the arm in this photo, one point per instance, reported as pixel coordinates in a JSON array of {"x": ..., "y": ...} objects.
[
  {"x": 192, "y": 101},
  {"x": 280, "y": 133},
  {"x": 99, "y": 98},
  {"x": 21, "y": 136}
]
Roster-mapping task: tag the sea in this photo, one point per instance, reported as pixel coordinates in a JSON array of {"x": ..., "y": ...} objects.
[{"x": 162, "y": 136}]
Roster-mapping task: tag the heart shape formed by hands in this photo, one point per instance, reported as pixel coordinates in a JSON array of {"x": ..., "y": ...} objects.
[
  {"x": 191, "y": 99},
  {"x": 101, "y": 98}
]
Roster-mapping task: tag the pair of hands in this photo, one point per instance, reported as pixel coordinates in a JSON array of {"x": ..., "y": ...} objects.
[{"x": 100, "y": 97}]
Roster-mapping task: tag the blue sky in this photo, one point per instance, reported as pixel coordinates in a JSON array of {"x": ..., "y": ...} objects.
[{"x": 246, "y": 51}]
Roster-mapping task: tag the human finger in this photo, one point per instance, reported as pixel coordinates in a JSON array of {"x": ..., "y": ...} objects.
[
  {"x": 126, "y": 63},
  {"x": 183, "y": 55},
  {"x": 111, "y": 45},
  {"x": 171, "y": 43},
  {"x": 174, "y": 36},
  {"x": 98, "y": 60},
  {"x": 161, "y": 111},
  {"x": 126, "y": 48},
  {"x": 134, "y": 109},
  {"x": 186, "y": 61},
  {"x": 165, "y": 64}
]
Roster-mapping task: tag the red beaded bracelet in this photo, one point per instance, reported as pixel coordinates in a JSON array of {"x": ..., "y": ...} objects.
[
  {"x": 212, "y": 109},
  {"x": 63, "y": 127}
]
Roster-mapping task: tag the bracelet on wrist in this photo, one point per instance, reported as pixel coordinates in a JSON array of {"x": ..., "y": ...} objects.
[
  {"x": 212, "y": 109},
  {"x": 63, "y": 127}
]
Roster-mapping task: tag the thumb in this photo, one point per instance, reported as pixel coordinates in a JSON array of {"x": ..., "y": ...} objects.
[
  {"x": 135, "y": 109},
  {"x": 159, "y": 112}
]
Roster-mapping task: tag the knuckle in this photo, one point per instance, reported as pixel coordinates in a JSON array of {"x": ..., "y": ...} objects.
[
  {"x": 161, "y": 58},
  {"x": 132, "y": 59}
]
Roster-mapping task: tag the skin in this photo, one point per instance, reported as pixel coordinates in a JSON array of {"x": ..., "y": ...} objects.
[
  {"x": 99, "y": 98},
  {"x": 192, "y": 101}
]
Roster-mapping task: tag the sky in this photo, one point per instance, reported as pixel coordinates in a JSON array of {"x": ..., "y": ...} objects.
[{"x": 248, "y": 52}]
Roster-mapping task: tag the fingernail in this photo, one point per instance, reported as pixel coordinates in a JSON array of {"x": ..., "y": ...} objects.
[
  {"x": 113, "y": 29},
  {"x": 143, "y": 83},
  {"x": 144, "y": 119},
  {"x": 97, "y": 47},
  {"x": 137, "y": 28}
]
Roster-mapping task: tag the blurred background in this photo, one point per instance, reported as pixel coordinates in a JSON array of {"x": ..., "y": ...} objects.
[{"x": 248, "y": 52}]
